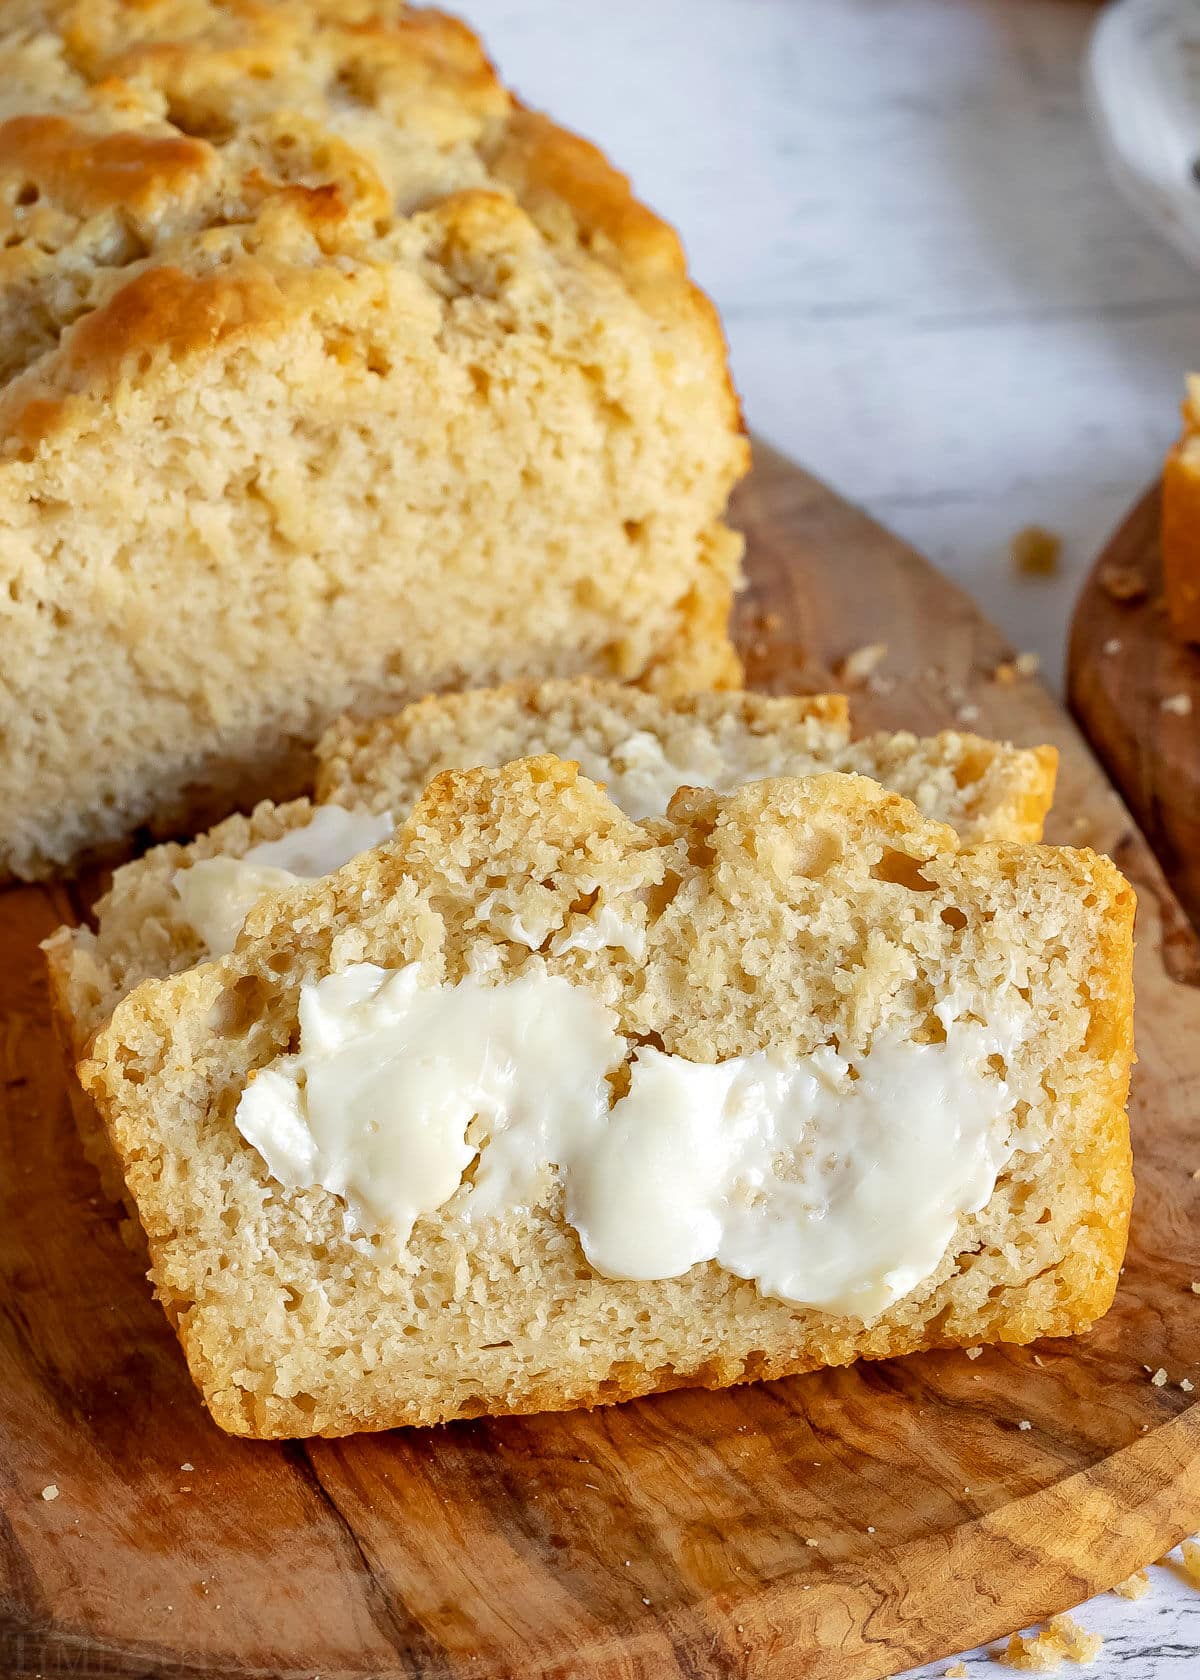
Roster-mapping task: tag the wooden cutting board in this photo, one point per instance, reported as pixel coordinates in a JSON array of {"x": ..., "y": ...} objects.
[
  {"x": 839, "y": 1525},
  {"x": 1136, "y": 693}
]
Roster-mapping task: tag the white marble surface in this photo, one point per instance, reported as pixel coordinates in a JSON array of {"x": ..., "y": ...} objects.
[{"x": 934, "y": 299}]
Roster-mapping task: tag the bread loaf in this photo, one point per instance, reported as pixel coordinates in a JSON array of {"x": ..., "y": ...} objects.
[
  {"x": 815, "y": 924},
  {"x": 329, "y": 375}
]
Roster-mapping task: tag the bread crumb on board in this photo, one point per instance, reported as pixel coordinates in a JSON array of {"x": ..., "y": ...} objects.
[
  {"x": 1036, "y": 551},
  {"x": 1008, "y": 670},
  {"x": 858, "y": 665},
  {"x": 1179, "y": 704},
  {"x": 1136, "y": 1585},
  {"x": 50, "y": 1492},
  {"x": 1122, "y": 583},
  {"x": 1159, "y": 1379},
  {"x": 1061, "y": 1640}
]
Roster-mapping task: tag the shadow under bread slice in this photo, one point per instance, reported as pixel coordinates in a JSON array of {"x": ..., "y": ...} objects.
[{"x": 790, "y": 1077}]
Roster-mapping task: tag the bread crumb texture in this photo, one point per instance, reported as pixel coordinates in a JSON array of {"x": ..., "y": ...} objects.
[
  {"x": 792, "y": 913},
  {"x": 983, "y": 789},
  {"x": 1136, "y": 1586},
  {"x": 1061, "y": 1640},
  {"x": 329, "y": 375}
]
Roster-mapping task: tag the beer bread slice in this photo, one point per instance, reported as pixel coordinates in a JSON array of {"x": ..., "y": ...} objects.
[{"x": 792, "y": 916}]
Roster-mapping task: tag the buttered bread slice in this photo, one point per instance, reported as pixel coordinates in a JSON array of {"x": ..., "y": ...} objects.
[
  {"x": 538, "y": 1107},
  {"x": 179, "y": 904}
]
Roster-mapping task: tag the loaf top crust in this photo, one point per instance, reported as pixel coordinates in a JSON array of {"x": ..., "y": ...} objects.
[
  {"x": 792, "y": 914},
  {"x": 175, "y": 174}
]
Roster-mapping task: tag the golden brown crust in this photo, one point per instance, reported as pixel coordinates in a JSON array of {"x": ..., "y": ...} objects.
[
  {"x": 1037, "y": 798},
  {"x": 207, "y": 68},
  {"x": 87, "y": 172},
  {"x": 73, "y": 1044},
  {"x": 1181, "y": 532},
  {"x": 161, "y": 313}
]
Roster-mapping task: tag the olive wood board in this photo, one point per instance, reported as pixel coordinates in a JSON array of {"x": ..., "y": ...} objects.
[
  {"x": 836, "y": 1526},
  {"x": 1135, "y": 691}
]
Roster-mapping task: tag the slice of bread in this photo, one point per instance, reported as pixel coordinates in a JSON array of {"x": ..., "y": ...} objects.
[
  {"x": 639, "y": 745},
  {"x": 642, "y": 746},
  {"x": 329, "y": 375},
  {"x": 1181, "y": 522},
  {"x": 792, "y": 915}
]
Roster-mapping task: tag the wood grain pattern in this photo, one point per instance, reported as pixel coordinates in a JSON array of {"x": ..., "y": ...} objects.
[
  {"x": 1123, "y": 665},
  {"x": 668, "y": 1537}
]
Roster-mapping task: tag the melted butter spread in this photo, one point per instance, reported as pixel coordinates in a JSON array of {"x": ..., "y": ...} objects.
[
  {"x": 218, "y": 893},
  {"x": 830, "y": 1182}
]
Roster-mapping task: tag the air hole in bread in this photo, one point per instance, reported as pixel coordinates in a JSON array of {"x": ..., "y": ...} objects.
[
  {"x": 817, "y": 851},
  {"x": 954, "y": 917},
  {"x": 239, "y": 1007},
  {"x": 902, "y": 870},
  {"x": 659, "y": 896},
  {"x": 130, "y": 1073}
]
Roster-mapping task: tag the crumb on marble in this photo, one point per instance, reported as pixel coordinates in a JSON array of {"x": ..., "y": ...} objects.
[
  {"x": 1036, "y": 551},
  {"x": 1027, "y": 664},
  {"x": 957, "y": 1671},
  {"x": 1136, "y": 1585},
  {"x": 1044, "y": 1653}
]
